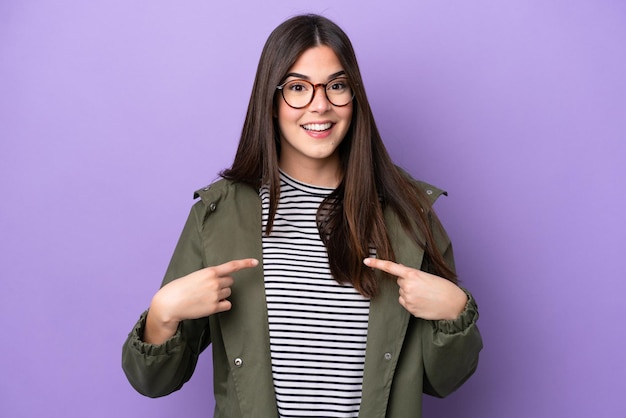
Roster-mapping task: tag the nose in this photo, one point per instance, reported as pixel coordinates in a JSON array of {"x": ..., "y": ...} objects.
[{"x": 320, "y": 102}]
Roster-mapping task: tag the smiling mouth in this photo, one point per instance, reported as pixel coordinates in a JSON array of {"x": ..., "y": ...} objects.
[{"x": 318, "y": 127}]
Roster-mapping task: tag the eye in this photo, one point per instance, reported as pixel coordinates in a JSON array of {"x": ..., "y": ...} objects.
[
  {"x": 297, "y": 86},
  {"x": 338, "y": 85}
]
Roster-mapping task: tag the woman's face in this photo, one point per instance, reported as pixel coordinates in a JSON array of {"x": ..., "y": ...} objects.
[{"x": 311, "y": 135}]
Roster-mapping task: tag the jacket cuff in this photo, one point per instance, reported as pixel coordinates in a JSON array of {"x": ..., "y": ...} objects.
[
  {"x": 152, "y": 350},
  {"x": 466, "y": 319}
]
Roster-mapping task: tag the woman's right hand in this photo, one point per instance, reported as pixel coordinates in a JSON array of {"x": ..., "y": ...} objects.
[{"x": 199, "y": 294}]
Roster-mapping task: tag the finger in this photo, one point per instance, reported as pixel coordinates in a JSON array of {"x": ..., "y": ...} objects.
[
  {"x": 402, "y": 302},
  {"x": 235, "y": 265},
  {"x": 225, "y": 282},
  {"x": 223, "y": 305},
  {"x": 224, "y": 293},
  {"x": 386, "y": 266}
]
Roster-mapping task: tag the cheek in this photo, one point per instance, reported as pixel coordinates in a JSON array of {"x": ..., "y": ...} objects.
[
  {"x": 286, "y": 114},
  {"x": 346, "y": 114}
]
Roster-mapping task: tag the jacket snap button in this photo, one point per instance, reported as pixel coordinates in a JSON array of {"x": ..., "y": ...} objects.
[
  {"x": 387, "y": 356},
  {"x": 238, "y": 362},
  {"x": 212, "y": 206},
  {"x": 429, "y": 191}
]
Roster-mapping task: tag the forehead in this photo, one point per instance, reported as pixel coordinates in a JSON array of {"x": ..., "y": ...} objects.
[{"x": 319, "y": 61}]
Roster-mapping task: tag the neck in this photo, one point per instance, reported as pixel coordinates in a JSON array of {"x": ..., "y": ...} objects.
[{"x": 324, "y": 174}]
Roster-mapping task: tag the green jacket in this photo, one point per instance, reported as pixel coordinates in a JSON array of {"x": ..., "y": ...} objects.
[{"x": 405, "y": 355}]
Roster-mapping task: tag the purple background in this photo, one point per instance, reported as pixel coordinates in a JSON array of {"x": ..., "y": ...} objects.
[{"x": 113, "y": 112}]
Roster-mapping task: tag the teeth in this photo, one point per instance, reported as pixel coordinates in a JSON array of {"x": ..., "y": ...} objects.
[{"x": 317, "y": 126}]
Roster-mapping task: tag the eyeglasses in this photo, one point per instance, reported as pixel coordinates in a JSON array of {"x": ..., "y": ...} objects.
[{"x": 300, "y": 93}]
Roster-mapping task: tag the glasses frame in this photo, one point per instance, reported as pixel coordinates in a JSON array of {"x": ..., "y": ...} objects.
[{"x": 315, "y": 86}]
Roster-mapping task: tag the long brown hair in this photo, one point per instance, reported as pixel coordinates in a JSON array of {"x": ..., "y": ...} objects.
[{"x": 351, "y": 219}]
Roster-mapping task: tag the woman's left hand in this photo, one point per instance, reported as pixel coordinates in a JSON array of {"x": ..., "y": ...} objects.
[{"x": 423, "y": 294}]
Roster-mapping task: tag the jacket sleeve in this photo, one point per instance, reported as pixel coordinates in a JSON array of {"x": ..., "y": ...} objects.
[
  {"x": 450, "y": 351},
  {"x": 450, "y": 347},
  {"x": 158, "y": 370}
]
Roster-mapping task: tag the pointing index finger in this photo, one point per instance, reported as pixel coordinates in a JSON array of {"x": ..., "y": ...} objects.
[
  {"x": 387, "y": 266},
  {"x": 235, "y": 265}
]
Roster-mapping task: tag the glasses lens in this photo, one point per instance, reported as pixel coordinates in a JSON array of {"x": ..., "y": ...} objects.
[
  {"x": 299, "y": 93},
  {"x": 339, "y": 92}
]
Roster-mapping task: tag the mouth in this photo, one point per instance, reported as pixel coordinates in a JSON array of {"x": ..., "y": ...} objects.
[{"x": 317, "y": 127}]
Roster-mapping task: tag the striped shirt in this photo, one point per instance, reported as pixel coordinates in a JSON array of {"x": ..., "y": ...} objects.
[{"x": 318, "y": 328}]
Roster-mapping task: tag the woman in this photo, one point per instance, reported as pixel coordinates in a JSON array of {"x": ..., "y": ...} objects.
[{"x": 316, "y": 268}]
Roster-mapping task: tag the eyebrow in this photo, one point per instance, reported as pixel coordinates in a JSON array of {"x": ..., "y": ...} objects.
[{"x": 304, "y": 77}]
